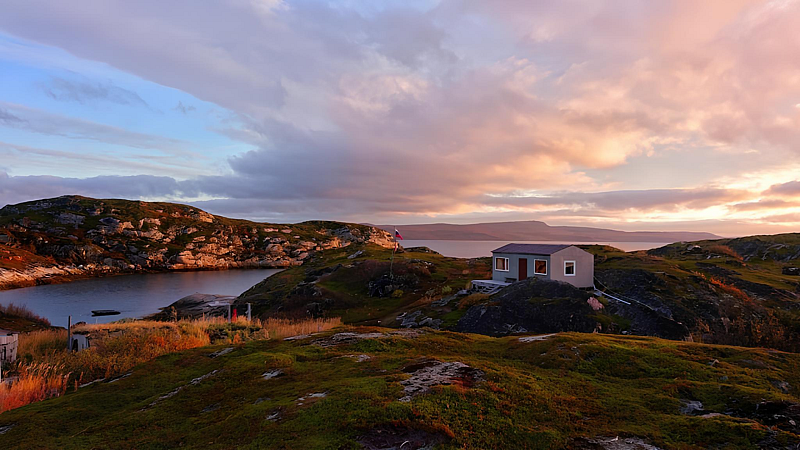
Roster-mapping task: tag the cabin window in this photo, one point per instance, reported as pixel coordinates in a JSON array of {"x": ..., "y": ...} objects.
[
  {"x": 569, "y": 268},
  {"x": 501, "y": 264},
  {"x": 540, "y": 266}
]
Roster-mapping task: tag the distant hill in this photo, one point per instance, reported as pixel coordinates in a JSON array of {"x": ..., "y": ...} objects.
[{"x": 534, "y": 230}]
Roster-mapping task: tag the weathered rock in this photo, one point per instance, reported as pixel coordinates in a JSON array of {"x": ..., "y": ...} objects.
[
  {"x": 427, "y": 374},
  {"x": 270, "y": 374},
  {"x": 691, "y": 407}
]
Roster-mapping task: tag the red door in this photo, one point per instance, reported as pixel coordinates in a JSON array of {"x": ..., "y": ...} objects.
[{"x": 523, "y": 269}]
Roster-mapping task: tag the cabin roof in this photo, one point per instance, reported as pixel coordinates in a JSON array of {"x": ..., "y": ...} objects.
[{"x": 531, "y": 249}]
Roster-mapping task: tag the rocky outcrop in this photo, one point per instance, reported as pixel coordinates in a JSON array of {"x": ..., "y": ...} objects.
[
  {"x": 83, "y": 236},
  {"x": 531, "y": 306},
  {"x": 543, "y": 306}
]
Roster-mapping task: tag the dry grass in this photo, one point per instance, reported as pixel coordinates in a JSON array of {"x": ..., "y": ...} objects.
[
  {"x": 281, "y": 328},
  {"x": 46, "y": 368},
  {"x": 471, "y": 300},
  {"x": 21, "y": 311},
  {"x": 725, "y": 250},
  {"x": 730, "y": 289},
  {"x": 42, "y": 342},
  {"x": 125, "y": 325},
  {"x": 35, "y": 382}
]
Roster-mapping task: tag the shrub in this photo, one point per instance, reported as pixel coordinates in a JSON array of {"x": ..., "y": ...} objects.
[{"x": 22, "y": 311}]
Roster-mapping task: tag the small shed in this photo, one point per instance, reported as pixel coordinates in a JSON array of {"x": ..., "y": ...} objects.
[
  {"x": 8, "y": 346},
  {"x": 78, "y": 342},
  {"x": 559, "y": 262}
]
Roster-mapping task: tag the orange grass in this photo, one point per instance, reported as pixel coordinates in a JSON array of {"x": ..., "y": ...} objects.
[
  {"x": 730, "y": 289},
  {"x": 725, "y": 250},
  {"x": 35, "y": 382}
]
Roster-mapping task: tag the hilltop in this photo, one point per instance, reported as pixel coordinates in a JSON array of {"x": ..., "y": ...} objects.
[
  {"x": 375, "y": 388},
  {"x": 702, "y": 291},
  {"x": 72, "y": 236},
  {"x": 533, "y": 230}
]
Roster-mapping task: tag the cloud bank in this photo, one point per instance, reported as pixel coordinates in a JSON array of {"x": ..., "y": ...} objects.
[{"x": 362, "y": 112}]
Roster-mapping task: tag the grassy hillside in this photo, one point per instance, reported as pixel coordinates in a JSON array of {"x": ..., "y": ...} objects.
[
  {"x": 724, "y": 295},
  {"x": 352, "y": 283},
  {"x": 705, "y": 290},
  {"x": 343, "y": 391}
]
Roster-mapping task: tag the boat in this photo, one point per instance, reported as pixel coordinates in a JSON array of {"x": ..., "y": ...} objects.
[{"x": 104, "y": 312}]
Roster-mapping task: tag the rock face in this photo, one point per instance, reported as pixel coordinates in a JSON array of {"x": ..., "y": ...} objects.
[
  {"x": 82, "y": 236},
  {"x": 534, "y": 306},
  {"x": 543, "y": 306}
]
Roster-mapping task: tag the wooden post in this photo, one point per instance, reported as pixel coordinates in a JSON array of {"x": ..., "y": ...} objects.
[
  {"x": 249, "y": 313},
  {"x": 69, "y": 333}
]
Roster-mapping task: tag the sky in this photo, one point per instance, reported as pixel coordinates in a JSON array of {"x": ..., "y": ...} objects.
[{"x": 634, "y": 115}]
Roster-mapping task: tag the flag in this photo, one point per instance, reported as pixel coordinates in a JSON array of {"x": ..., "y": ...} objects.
[{"x": 397, "y": 234}]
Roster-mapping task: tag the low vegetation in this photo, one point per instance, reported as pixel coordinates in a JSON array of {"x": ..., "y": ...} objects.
[
  {"x": 45, "y": 368},
  {"x": 20, "y": 318},
  {"x": 342, "y": 391}
]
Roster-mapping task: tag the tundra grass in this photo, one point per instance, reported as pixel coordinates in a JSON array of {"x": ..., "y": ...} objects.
[{"x": 540, "y": 394}]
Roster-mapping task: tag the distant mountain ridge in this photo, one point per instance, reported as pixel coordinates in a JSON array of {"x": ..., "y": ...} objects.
[{"x": 534, "y": 230}]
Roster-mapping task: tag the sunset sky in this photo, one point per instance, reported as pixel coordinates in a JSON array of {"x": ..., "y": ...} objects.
[{"x": 635, "y": 115}]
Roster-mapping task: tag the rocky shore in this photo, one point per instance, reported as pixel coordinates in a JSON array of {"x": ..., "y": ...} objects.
[{"x": 70, "y": 237}]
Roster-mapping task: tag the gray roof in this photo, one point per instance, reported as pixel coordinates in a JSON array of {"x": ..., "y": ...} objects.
[{"x": 531, "y": 249}]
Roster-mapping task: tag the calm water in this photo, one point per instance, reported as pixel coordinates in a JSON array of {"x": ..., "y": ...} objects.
[
  {"x": 474, "y": 249},
  {"x": 131, "y": 295}
]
